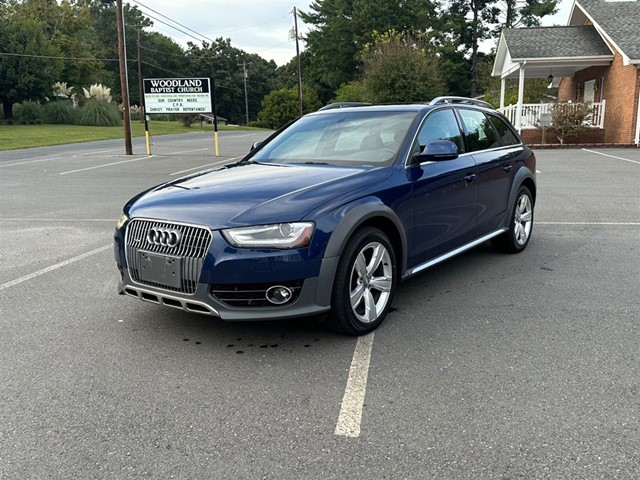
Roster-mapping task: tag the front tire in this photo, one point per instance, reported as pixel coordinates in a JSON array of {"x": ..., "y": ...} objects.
[
  {"x": 365, "y": 283},
  {"x": 517, "y": 237}
]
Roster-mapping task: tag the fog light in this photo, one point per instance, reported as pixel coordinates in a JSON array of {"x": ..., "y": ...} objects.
[{"x": 279, "y": 295}]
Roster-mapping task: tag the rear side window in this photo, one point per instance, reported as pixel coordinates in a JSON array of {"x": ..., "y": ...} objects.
[
  {"x": 504, "y": 132},
  {"x": 441, "y": 125},
  {"x": 479, "y": 131}
]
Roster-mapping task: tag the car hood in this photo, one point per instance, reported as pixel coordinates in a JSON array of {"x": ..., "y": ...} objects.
[{"x": 249, "y": 194}]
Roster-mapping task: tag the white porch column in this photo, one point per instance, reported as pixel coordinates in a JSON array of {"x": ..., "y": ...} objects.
[
  {"x": 520, "y": 98},
  {"x": 503, "y": 82},
  {"x": 637, "y": 139}
]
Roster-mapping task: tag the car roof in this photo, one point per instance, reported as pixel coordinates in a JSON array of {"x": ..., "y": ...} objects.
[
  {"x": 410, "y": 107},
  {"x": 376, "y": 108}
]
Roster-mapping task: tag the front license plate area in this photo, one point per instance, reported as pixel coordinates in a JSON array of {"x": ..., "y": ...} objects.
[{"x": 160, "y": 269}]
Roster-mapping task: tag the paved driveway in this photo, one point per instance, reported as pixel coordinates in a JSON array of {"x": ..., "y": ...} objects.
[{"x": 491, "y": 365}]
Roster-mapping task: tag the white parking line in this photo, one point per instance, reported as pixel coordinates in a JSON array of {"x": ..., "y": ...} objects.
[
  {"x": 57, "y": 219},
  {"x": 106, "y": 165},
  {"x": 204, "y": 166},
  {"x": 588, "y": 223},
  {"x": 610, "y": 156},
  {"x": 53, "y": 267},
  {"x": 32, "y": 161},
  {"x": 351, "y": 410},
  {"x": 180, "y": 153}
]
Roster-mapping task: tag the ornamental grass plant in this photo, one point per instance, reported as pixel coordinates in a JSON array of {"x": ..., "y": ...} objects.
[
  {"x": 59, "y": 112},
  {"x": 100, "y": 114}
]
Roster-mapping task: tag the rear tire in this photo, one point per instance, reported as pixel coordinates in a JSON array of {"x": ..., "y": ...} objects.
[
  {"x": 517, "y": 237},
  {"x": 365, "y": 283}
]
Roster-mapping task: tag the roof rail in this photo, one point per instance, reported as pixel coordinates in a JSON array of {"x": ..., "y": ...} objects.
[{"x": 470, "y": 101}]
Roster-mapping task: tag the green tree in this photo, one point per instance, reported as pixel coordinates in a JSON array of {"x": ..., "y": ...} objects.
[
  {"x": 70, "y": 29},
  {"x": 224, "y": 63},
  {"x": 160, "y": 57},
  {"x": 400, "y": 67},
  {"x": 469, "y": 22},
  {"x": 340, "y": 28},
  {"x": 25, "y": 71},
  {"x": 281, "y": 106},
  {"x": 105, "y": 25},
  {"x": 526, "y": 13},
  {"x": 352, "y": 92}
]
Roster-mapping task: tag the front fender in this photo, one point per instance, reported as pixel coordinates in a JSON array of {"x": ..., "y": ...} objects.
[{"x": 370, "y": 211}]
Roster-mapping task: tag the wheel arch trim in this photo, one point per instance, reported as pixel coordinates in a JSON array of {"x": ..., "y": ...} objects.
[
  {"x": 354, "y": 218},
  {"x": 525, "y": 177}
]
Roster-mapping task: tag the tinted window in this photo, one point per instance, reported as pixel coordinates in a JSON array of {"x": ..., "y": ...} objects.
[
  {"x": 504, "y": 132},
  {"x": 480, "y": 134},
  {"x": 441, "y": 125},
  {"x": 340, "y": 137}
]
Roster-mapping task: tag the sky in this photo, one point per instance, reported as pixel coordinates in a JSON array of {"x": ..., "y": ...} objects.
[{"x": 255, "y": 26}]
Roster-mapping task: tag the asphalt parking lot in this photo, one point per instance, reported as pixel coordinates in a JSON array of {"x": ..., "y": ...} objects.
[{"x": 490, "y": 366}]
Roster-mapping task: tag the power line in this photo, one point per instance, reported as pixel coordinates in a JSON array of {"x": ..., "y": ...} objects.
[
  {"x": 7, "y": 54},
  {"x": 174, "y": 21},
  {"x": 201, "y": 35},
  {"x": 182, "y": 76},
  {"x": 175, "y": 28},
  {"x": 183, "y": 55},
  {"x": 253, "y": 26}
]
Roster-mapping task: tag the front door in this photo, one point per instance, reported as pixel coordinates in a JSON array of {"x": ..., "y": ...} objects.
[{"x": 444, "y": 193}]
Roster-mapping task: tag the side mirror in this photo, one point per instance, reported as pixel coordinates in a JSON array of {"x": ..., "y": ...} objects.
[
  {"x": 254, "y": 146},
  {"x": 438, "y": 150}
]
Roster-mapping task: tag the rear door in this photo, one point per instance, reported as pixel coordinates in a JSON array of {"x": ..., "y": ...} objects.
[{"x": 495, "y": 162}]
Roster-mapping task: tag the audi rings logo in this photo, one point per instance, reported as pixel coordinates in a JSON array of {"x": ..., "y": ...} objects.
[{"x": 164, "y": 237}]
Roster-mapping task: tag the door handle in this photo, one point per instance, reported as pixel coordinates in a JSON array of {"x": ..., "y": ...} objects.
[
  {"x": 507, "y": 168},
  {"x": 469, "y": 177}
]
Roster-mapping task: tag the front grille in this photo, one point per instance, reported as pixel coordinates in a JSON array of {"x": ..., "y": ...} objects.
[
  {"x": 252, "y": 295},
  {"x": 192, "y": 249}
]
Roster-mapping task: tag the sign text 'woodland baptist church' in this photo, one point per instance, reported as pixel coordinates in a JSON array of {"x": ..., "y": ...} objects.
[{"x": 177, "y": 95}]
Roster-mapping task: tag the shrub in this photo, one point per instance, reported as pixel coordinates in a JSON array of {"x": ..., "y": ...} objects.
[
  {"x": 27, "y": 113},
  {"x": 61, "y": 112},
  {"x": 188, "y": 119},
  {"x": 569, "y": 119},
  {"x": 100, "y": 114}
]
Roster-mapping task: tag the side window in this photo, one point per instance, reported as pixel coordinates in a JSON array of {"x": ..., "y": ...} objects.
[
  {"x": 504, "y": 132},
  {"x": 441, "y": 125},
  {"x": 480, "y": 133}
]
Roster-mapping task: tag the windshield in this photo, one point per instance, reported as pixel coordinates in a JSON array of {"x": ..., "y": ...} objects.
[{"x": 359, "y": 137}]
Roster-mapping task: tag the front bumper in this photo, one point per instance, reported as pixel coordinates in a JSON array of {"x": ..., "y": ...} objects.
[
  {"x": 222, "y": 281},
  {"x": 307, "y": 303}
]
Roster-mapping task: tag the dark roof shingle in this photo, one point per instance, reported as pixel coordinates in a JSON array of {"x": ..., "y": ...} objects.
[
  {"x": 620, "y": 20},
  {"x": 555, "y": 42}
]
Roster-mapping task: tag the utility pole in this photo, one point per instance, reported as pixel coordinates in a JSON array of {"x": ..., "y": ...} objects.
[
  {"x": 143, "y": 111},
  {"x": 140, "y": 90},
  {"x": 295, "y": 22},
  {"x": 246, "y": 98},
  {"x": 124, "y": 80}
]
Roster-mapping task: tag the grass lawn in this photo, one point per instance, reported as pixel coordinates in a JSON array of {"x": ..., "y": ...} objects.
[{"x": 27, "y": 136}]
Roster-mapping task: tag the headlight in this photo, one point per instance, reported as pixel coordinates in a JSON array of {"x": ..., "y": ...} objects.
[
  {"x": 123, "y": 219},
  {"x": 280, "y": 235}
]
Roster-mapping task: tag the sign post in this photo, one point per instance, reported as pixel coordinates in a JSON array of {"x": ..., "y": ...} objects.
[
  {"x": 178, "y": 95},
  {"x": 215, "y": 116},
  {"x": 545, "y": 121}
]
